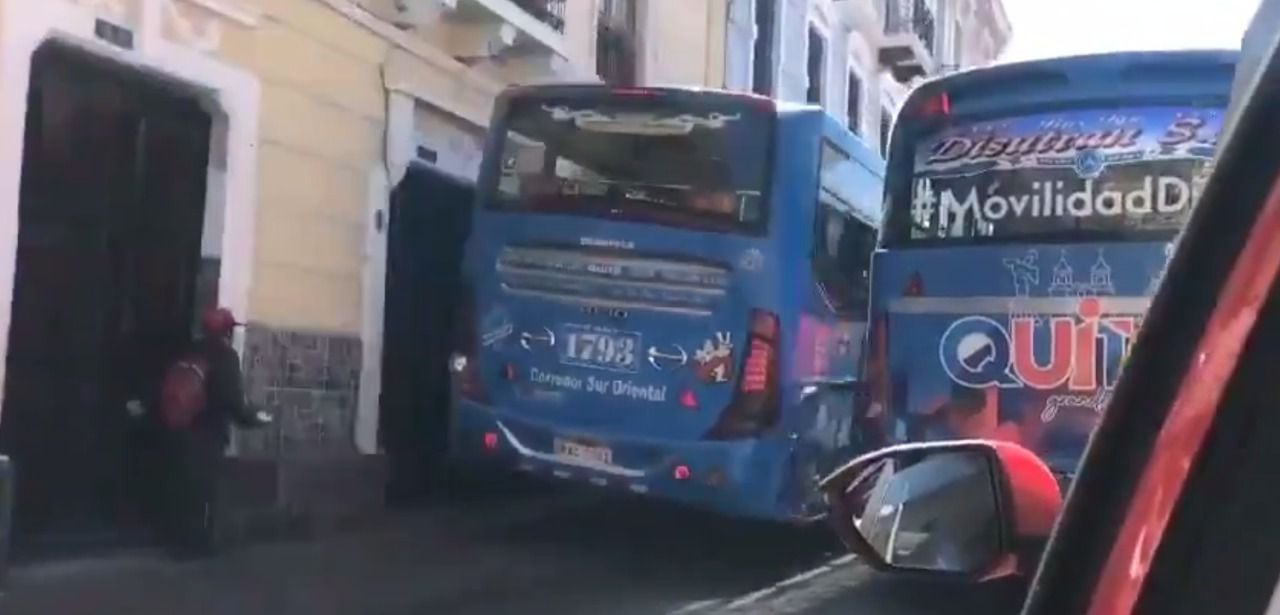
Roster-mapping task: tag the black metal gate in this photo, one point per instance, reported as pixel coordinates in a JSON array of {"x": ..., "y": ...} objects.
[
  {"x": 110, "y": 219},
  {"x": 430, "y": 220}
]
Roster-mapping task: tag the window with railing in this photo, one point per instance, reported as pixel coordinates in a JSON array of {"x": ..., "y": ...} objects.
[
  {"x": 911, "y": 16},
  {"x": 817, "y": 65},
  {"x": 616, "y": 56},
  {"x": 763, "y": 67},
  {"x": 853, "y": 103},
  {"x": 550, "y": 12},
  {"x": 957, "y": 38},
  {"x": 886, "y": 130}
]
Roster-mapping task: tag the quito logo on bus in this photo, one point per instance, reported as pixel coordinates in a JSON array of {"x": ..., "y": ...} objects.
[{"x": 1081, "y": 352}]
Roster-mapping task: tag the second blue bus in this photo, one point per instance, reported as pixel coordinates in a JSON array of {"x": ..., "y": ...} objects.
[
  {"x": 1031, "y": 209},
  {"x": 667, "y": 294}
]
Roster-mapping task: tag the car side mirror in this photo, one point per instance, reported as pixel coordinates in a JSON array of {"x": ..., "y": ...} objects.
[{"x": 970, "y": 508}]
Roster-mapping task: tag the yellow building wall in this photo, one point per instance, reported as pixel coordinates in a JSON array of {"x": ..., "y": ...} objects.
[
  {"x": 322, "y": 124},
  {"x": 684, "y": 42},
  {"x": 717, "y": 31},
  {"x": 580, "y": 31}
]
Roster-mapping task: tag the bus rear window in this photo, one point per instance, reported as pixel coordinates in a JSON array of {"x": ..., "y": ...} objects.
[
  {"x": 699, "y": 165},
  {"x": 1096, "y": 175}
]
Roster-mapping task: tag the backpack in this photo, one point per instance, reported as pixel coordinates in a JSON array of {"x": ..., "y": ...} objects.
[{"x": 183, "y": 394}]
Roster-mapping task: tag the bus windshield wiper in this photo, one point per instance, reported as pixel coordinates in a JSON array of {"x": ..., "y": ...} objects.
[
  {"x": 645, "y": 193},
  {"x": 636, "y": 194}
]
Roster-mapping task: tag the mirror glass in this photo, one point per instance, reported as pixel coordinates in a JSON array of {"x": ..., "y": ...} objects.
[{"x": 929, "y": 510}]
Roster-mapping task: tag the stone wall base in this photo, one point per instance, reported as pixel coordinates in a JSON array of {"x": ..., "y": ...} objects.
[
  {"x": 273, "y": 499},
  {"x": 302, "y": 475}
]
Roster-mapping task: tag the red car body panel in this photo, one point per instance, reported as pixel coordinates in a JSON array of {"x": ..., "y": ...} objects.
[
  {"x": 1191, "y": 415},
  {"x": 1037, "y": 497}
]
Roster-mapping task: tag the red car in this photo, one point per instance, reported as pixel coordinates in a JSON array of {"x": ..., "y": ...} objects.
[{"x": 1174, "y": 510}]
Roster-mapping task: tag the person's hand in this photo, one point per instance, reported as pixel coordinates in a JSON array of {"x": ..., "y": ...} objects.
[
  {"x": 135, "y": 408},
  {"x": 262, "y": 419}
]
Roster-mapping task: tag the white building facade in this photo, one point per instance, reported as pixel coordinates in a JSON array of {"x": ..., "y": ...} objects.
[{"x": 857, "y": 58}]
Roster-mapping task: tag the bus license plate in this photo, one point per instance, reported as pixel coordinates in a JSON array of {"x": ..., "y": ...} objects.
[
  {"x": 577, "y": 451},
  {"x": 600, "y": 349}
]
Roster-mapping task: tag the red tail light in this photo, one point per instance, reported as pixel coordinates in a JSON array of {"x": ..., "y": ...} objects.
[
  {"x": 878, "y": 365},
  {"x": 938, "y": 105},
  {"x": 755, "y": 405},
  {"x": 761, "y": 102},
  {"x": 640, "y": 92},
  {"x": 464, "y": 365},
  {"x": 915, "y": 286},
  {"x": 872, "y": 419}
]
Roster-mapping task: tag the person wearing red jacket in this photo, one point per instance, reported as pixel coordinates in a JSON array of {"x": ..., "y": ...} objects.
[{"x": 196, "y": 451}]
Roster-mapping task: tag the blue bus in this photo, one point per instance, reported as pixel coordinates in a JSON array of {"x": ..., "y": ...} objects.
[
  {"x": 1030, "y": 210},
  {"x": 666, "y": 293}
]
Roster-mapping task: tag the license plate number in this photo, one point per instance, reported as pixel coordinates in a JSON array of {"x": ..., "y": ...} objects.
[
  {"x": 600, "y": 349},
  {"x": 577, "y": 451}
]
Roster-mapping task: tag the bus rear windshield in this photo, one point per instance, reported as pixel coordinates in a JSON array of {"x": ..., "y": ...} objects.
[
  {"x": 698, "y": 165},
  {"x": 1091, "y": 175}
]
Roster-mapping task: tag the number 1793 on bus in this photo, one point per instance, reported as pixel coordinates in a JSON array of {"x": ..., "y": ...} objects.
[{"x": 599, "y": 348}]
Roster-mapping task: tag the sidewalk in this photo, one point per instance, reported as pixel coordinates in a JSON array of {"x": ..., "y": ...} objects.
[{"x": 409, "y": 563}]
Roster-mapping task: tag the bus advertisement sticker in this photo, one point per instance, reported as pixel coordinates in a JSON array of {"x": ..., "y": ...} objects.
[{"x": 714, "y": 359}]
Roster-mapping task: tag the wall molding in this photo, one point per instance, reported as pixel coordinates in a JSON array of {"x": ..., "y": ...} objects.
[{"x": 243, "y": 15}]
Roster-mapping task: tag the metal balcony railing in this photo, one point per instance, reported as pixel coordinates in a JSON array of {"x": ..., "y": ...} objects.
[
  {"x": 550, "y": 12},
  {"x": 910, "y": 16}
]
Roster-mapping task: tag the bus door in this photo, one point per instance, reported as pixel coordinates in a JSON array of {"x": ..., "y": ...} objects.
[
  {"x": 831, "y": 334},
  {"x": 625, "y": 270}
]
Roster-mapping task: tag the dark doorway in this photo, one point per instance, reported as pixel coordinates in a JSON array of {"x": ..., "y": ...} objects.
[
  {"x": 430, "y": 221},
  {"x": 112, "y": 205}
]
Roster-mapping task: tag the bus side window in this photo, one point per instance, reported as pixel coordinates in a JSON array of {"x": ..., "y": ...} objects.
[{"x": 842, "y": 259}]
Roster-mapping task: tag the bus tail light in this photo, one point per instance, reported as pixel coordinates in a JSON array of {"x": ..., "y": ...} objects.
[
  {"x": 761, "y": 102},
  {"x": 915, "y": 286},
  {"x": 938, "y": 105},
  {"x": 464, "y": 363},
  {"x": 755, "y": 405},
  {"x": 873, "y": 420},
  {"x": 878, "y": 368},
  {"x": 635, "y": 92}
]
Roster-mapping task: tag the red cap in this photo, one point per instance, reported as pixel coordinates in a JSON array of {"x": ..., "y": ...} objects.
[{"x": 218, "y": 321}]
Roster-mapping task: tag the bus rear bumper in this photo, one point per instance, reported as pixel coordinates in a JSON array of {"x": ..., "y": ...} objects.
[{"x": 741, "y": 478}]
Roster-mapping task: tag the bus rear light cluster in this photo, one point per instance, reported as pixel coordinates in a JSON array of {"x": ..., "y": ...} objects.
[
  {"x": 935, "y": 106},
  {"x": 463, "y": 364},
  {"x": 755, "y": 405},
  {"x": 915, "y": 286}
]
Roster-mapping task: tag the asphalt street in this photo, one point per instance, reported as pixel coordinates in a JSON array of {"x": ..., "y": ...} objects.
[{"x": 518, "y": 548}]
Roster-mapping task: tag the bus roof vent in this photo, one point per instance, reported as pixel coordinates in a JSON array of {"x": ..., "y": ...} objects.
[
  {"x": 1183, "y": 70},
  {"x": 1006, "y": 80}
]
